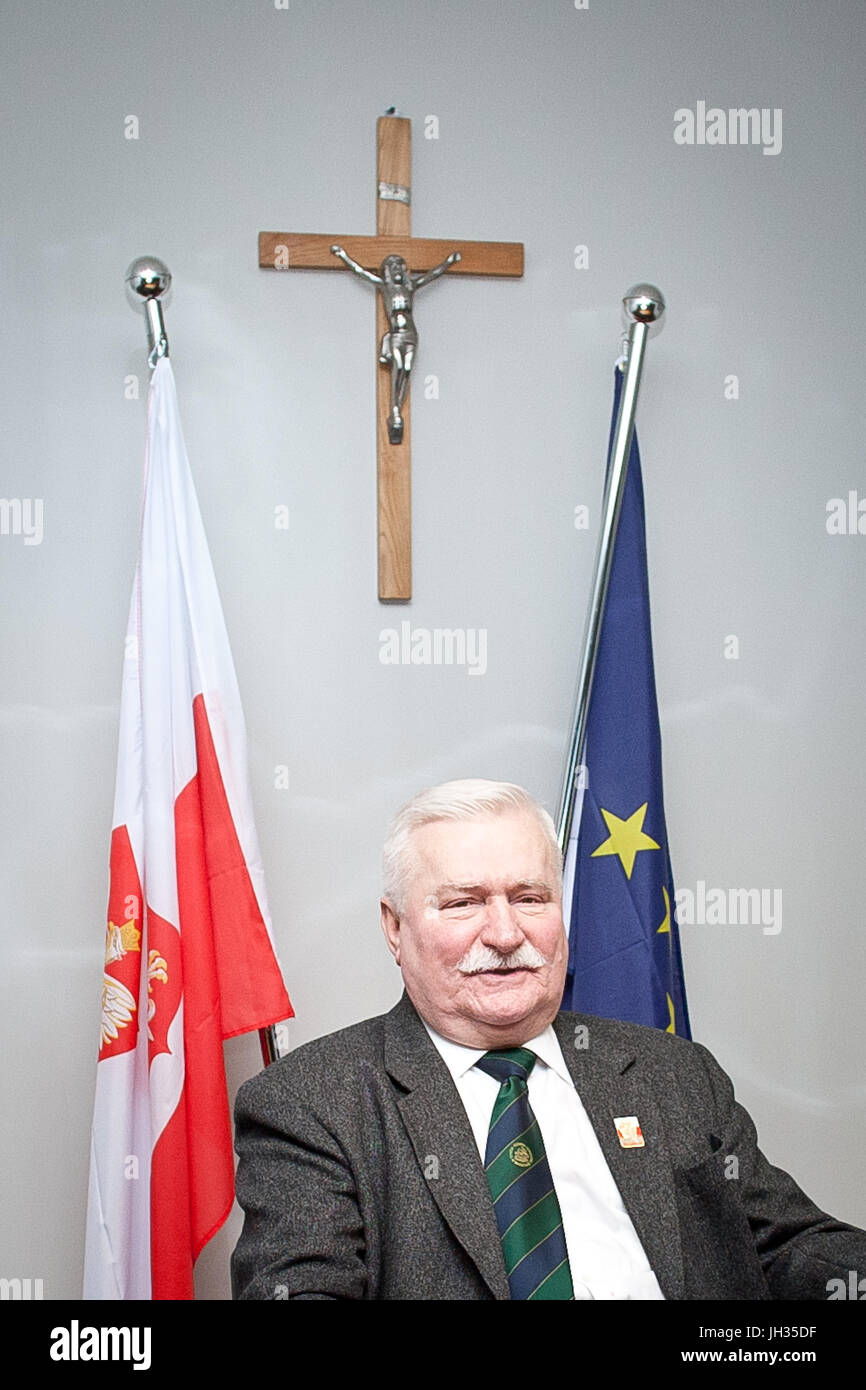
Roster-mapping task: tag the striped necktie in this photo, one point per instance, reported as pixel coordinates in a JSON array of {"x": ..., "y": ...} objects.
[{"x": 518, "y": 1174}]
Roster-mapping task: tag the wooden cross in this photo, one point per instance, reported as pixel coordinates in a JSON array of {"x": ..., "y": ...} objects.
[{"x": 299, "y": 251}]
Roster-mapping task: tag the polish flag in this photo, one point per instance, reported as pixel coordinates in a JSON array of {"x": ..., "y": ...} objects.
[{"x": 189, "y": 958}]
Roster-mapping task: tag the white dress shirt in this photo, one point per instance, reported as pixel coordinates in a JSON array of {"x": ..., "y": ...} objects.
[{"x": 606, "y": 1258}]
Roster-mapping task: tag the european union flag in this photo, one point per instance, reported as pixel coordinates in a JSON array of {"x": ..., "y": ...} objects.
[{"x": 624, "y": 949}]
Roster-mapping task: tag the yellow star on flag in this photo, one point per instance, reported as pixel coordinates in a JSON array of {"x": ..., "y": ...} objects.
[
  {"x": 666, "y": 924},
  {"x": 672, "y": 1026},
  {"x": 626, "y": 838}
]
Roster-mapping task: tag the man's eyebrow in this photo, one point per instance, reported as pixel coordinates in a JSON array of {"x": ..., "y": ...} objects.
[
  {"x": 534, "y": 885},
  {"x": 460, "y": 888}
]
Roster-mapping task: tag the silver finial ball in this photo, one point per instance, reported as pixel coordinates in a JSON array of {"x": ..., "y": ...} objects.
[
  {"x": 147, "y": 278},
  {"x": 644, "y": 304}
]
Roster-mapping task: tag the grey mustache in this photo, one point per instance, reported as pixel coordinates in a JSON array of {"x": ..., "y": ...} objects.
[{"x": 480, "y": 958}]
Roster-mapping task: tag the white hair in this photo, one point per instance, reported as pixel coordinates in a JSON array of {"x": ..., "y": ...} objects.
[{"x": 461, "y": 800}]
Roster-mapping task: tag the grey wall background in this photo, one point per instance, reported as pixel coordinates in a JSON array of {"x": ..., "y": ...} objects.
[{"x": 555, "y": 128}]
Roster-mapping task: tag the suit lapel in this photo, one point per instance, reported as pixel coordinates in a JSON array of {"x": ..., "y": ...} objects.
[
  {"x": 444, "y": 1145},
  {"x": 610, "y": 1085}
]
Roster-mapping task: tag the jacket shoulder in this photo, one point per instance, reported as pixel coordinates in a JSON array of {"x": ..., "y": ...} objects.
[
  {"x": 619, "y": 1036},
  {"x": 650, "y": 1048},
  {"x": 322, "y": 1067}
]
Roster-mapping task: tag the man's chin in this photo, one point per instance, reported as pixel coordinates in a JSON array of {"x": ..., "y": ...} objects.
[
  {"x": 505, "y": 996},
  {"x": 493, "y": 1009}
]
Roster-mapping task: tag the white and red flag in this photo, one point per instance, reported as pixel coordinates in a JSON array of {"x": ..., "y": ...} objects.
[{"x": 189, "y": 958}]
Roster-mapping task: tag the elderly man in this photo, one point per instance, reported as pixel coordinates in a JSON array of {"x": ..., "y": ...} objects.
[{"x": 476, "y": 1143}]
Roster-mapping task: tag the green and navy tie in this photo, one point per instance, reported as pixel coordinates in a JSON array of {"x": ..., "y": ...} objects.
[{"x": 518, "y": 1174}]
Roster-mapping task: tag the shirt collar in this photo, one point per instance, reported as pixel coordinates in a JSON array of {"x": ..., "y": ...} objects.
[{"x": 460, "y": 1059}]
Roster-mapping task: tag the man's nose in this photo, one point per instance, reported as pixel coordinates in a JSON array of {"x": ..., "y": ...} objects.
[{"x": 502, "y": 928}]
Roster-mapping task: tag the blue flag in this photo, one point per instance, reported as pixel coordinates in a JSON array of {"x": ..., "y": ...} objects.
[{"x": 624, "y": 948}]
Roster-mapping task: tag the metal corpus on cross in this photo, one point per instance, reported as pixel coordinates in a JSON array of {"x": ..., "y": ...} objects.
[{"x": 398, "y": 265}]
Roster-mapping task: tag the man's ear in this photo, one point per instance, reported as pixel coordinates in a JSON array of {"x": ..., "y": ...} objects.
[{"x": 391, "y": 928}]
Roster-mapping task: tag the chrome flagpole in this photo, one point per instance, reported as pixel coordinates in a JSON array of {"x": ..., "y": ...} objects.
[
  {"x": 148, "y": 279},
  {"x": 643, "y": 306}
]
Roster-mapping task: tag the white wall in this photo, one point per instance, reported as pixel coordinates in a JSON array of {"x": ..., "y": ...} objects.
[{"x": 555, "y": 128}]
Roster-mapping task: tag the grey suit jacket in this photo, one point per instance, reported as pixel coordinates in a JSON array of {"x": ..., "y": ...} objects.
[{"x": 360, "y": 1177}]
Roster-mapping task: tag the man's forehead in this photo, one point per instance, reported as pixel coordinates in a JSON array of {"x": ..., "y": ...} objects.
[{"x": 464, "y": 851}]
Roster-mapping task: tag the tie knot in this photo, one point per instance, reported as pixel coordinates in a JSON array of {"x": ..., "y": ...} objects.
[{"x": 512, "y": 1061}]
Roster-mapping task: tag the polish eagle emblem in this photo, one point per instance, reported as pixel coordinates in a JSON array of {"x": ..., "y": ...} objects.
[{"x": 119, "y": 1004}]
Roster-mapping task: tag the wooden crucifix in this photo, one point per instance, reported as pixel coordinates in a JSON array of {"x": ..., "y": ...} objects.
[{"x": 375, "y": 257}]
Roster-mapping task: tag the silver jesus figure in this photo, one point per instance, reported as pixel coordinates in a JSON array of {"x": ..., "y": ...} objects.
[{"x": 399, "y": 344}]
